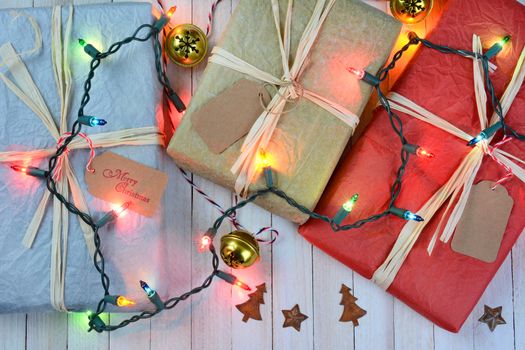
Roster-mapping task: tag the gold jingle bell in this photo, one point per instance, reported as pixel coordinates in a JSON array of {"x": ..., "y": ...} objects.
[
  {"x": 186, "y": 45},
  {"x": 239, "y": 249},
  {"x": 410, "y": 11}
]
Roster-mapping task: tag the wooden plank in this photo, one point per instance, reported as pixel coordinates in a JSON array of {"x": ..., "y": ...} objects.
[
  {"x": 328, "y": 275},
  {"x": 376, "y": 328},
  {"x": 47, "y": 331},
  {"x": 292, "y": 284},
  {"x": 445, "y": 340},
  {"x": 518, "y": 270},
  {"x": 78, "y": 336},
  {"x": 12, "y": 331},
  {"x": 134, "y": 336},
  {"x": 172, "y": 328},
  {"x": 212, "y": 309},
  {"x": 498, "y": 293},
  {"x": 412, "y": 331},
  {"x": 256, "y": 333}
]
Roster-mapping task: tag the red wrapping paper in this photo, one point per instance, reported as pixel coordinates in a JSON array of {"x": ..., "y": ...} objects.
[{"x": 445, "y": 286}]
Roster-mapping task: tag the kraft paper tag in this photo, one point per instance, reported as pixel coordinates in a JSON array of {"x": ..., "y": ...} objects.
[
  {"x": 230, "y": 115},
  {"x": 480, "y": 230},
  {"x": 119, "y": 180}
]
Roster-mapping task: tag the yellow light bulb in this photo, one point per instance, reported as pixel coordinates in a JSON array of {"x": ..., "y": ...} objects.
[
  {"x": 123, "y": 301},
  {"x": 265, "y": 162}
]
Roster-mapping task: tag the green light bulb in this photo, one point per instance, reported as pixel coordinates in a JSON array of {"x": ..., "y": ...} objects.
[
  {"x": 82, "y": 42},
  {"x": 505, "y": 40},
  {"x": 345, "y": 209},
  {"x": 497, "y": 47},
  {"x": 349, "y": 205}
]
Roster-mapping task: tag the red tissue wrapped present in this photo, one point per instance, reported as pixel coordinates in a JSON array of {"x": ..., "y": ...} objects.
[{"x": 446, "y": 285}]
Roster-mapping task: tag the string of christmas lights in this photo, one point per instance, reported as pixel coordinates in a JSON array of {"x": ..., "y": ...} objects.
[{"x": 152, "y": 32}]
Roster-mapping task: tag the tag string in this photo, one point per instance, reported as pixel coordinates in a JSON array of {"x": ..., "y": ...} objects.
[
  {"x": 210, "y": 17},
  {"x": 509, "y": 174},
  {"x": 233, "y": 215},
  {"x": 271, "y": 231},
  {"x": 57, "y": 172}
]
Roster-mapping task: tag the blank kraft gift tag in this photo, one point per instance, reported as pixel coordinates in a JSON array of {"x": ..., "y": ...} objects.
[
  {"x": 119, "y": 180},
  {"x": 230, "y": 115},
  {"x": 480, "y": 230}
]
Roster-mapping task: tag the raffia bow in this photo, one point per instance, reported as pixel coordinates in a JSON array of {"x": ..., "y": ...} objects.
[
  {"x": 23, "y": 86},
  {"x": 289, "y": 88},
  {"x": 461, "y": 181}
]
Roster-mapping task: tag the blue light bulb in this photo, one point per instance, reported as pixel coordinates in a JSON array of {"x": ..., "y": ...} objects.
[
  {"x": 95, "y": 122},
  {"x": 153, "y": 296},
  {"x": 411, "y": 216},
  {"x": 481, "y": 136},
  {"x": 149, "y": 291},
  {"x": 485, "y": 134},
  {"x": 91, "y": 121}
]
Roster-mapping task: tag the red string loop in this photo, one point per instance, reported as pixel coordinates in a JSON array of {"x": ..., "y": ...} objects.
[
  {"x": 57, "y": 172},
  {"x": 509, "y": 174}
]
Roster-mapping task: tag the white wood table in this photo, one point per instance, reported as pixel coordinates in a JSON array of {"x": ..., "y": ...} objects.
[{"x": 294, "y": 272}]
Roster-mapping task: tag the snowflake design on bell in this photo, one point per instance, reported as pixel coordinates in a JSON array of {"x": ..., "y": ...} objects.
[
  {"x": 413, "y": 7},
  {"x": 187, "y": 44}
]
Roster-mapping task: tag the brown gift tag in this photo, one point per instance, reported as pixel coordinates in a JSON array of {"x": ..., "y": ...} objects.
[
  {"x": 230, "y": 115},
  {"x": 119, "y": 180},
  {"x": 480, "y": 230}
]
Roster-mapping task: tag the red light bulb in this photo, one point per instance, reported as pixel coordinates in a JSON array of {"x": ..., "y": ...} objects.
[
  {"x": 119, "y": 210},
  {"x": 204, "y": 243},
  {"x": 30, "y": 170},
  {"x": 171, "y": 11},
  {"x": 242, "y": 285},
  {"x": 231, "y": 279},
  {"x": 19, "y": 168},
  {"x": 360, "y": 73}
]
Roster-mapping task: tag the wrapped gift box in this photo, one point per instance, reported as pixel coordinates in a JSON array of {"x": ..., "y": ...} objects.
[
  {"x": 133, "y": 246},
  {"x": 308, "y": 140},
  {"x": 445, "y": 286}
]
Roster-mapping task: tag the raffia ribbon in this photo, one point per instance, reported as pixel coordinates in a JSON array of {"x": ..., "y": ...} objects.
[
  {"x": 23, "y": 86},
  {"x": 289, "y": 89},
  {"x": 461, "y": 181}
]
